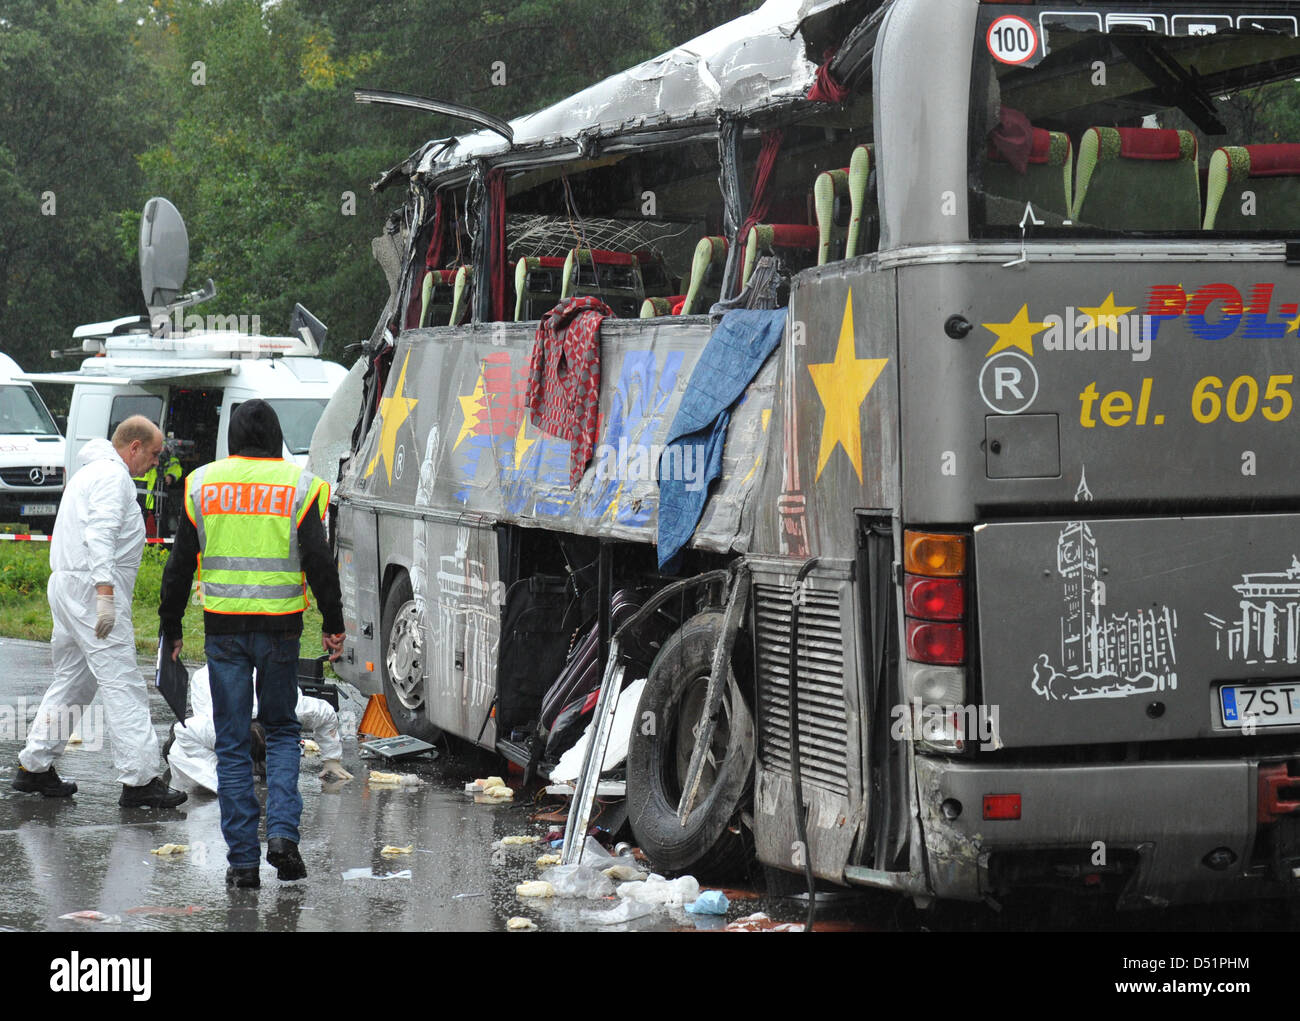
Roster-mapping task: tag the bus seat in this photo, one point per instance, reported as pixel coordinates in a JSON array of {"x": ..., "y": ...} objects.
[
  {"x": 538, "y": 282},
  {"x": 779, "y": 238},
  {"x": 436, "y": 297},
  {"x": 616, "y": 278},
  {"x": 653, "y": 308},
  {"x": 1046, "y": 182},
  {"x": 861, "y": 206},
  {"x": 460, "y": 295},
  {"x": 831, "y": 200},
  {"x": 1137, "y": 179},
  {"x": 1270, "y": 172},
  {"x": 707, "y": 266}
]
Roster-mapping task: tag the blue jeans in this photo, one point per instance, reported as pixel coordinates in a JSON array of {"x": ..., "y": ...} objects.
[{"x": 232, "y": 660}]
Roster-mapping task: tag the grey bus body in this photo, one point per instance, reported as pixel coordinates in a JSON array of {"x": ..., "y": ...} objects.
[{"x": 1126, "y": 491}]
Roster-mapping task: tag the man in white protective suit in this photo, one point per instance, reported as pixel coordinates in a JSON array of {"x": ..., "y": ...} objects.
[
  {"x": 94, "y": 557},
  {"x": 192, "y": 756}
]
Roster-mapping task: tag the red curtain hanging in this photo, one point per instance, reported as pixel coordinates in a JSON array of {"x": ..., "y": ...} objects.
[
  {"x": 826, "y": 89},
  {"x": 496, "y": 183},
  {"x": 433, "y": 257},
  {"x": 759, "y": 200}
]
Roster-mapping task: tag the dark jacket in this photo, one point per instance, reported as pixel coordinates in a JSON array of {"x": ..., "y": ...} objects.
[{"x": 254, "y": 432}]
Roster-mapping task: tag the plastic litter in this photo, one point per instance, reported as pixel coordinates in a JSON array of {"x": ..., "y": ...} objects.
[
  {"x": 310, "y": 747},
  {"x": 759, "y": 922},
  {"x": 624, "y": 911},
  {"x": 389, "y": 850},
  {"x": 710, "y": 902},
  {"x": 620, "y": 735},
  {"x": 549, "y": 859},
  {"x": 514, "y": 840},
  {"x": 658, "y": 890},
  {"x": 365, "y": 873},
  {"x": 520, "y": 924},
  {"x": 378, "y": 779},
  {"x": 479, "y": 786},
  {"x": 535, "y": 888},
  {"x": 90, "y": 916},
  {"x": 624, "y": 873},
  {"x": 167, "y": 850},
  {"x": 579, "y": 881}
]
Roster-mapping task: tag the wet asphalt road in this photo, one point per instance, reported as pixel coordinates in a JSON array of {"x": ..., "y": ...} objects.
[{"x": 84, "y": 853}]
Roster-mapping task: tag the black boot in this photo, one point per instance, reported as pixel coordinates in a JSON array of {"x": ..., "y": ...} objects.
[
  {"x": 154, "y": 794},
  {"x": 47, "y": 783},
  {"x": 283, "y": 854},
  {"x": 243, "y": 879}
]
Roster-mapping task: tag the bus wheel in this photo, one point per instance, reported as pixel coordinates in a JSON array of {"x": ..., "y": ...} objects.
[
  {"x": 712, "y": 844},
  {"x": 404, "y": 662}
]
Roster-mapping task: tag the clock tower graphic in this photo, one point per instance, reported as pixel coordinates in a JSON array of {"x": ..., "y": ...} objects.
[{"x": 1076, "y": 561}]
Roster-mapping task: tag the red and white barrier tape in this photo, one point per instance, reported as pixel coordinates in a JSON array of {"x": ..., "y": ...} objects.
[{"x": 46, "y": 538}]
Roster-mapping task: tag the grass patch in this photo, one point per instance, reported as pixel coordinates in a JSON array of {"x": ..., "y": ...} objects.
[{"x": 25, "y": 608}]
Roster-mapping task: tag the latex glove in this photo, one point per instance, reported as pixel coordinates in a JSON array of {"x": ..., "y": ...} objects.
[
  {"x": 104, "y": 615},
  {"x": 334, "y": 771},
  {"x": 333, "y": 645}
]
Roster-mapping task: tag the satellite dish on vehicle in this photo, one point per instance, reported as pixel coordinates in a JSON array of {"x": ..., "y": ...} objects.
[{"x": 164, "y": 254}]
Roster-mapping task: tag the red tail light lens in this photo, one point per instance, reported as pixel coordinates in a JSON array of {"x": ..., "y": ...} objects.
[
  {"x": 935, "y": 598},
  {"x": 939, "y": 644}
]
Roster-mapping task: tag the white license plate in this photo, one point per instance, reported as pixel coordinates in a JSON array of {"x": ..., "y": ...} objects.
[
  {"x": 38, "y": 509},
  {"x": 1265, "y": 705}
]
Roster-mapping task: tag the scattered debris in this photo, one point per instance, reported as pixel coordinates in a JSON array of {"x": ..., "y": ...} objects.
[
  {"x": 624, "y": 911},
  {"x": 150, "y": 909},
  {"x": 467, "y": 896},
  {"x": 310, "y": 747},
  {"x": 167, "y": 850},
  {"x": 517, "y": 839},
  {"x": 535, "y": 888},
  {"x": 394, "y": 779},
  {"x": 395, "y": 748},
  {"x": 520, "y": 924},
  {"x": 389, "y": 850},
  {"x": 548, "y": 859},
  {"x": 366, "y": 873},
  {"x": 490, "y": 790},
  {"x": 624, "y": 873},
  {"x": 655, "y": 889},
  {"x": 759, "y": 922},
  {"x": 91, "y": 916},
  {"x": 710, "y": 902},
  {"x": 579, "y": 881}
]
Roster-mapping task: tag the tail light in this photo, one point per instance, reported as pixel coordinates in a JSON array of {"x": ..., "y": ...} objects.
[{"x": 934, "y": 601}]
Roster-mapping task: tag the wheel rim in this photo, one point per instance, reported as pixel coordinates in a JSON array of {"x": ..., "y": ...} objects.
[
  {"x": 686, "y": 732},
  {"x": 405, "y": 659}
]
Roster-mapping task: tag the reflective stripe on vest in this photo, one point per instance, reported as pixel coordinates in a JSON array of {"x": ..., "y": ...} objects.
[{"x": 246, "y": 512}]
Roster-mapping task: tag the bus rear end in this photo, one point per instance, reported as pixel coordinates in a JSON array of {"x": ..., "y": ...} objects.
[{"x": 1098, "y": 406}]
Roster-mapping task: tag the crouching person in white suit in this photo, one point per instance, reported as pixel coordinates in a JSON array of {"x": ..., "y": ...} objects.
[{"x": 192, "y": 757}]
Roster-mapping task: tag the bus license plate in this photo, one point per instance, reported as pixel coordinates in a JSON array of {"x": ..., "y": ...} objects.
[
  {"x": 38, "y": 509},
  {"x": 1265, "y": 705}
]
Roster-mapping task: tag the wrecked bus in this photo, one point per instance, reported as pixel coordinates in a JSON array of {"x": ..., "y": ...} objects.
[{"x": 1000, "y": 576}]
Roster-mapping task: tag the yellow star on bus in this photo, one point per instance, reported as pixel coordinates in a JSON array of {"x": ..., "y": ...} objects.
[
  {"x": 522, "y": 443},
  {"x": 393, "y": 411},
  {"x": 1017, "y": 333},
  {"x": 842, "y": 386},
  {"x": 472, "y": 408},
  {"x": 1106, "y": 314},
  {"x": 1293, "y": 325}
]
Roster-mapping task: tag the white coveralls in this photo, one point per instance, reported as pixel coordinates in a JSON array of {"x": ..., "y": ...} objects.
[
  {"x": 98, "y": 539},
  {"x": 192, "y": 759}
]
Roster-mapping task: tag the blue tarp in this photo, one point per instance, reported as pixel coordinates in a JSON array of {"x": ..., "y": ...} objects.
[{"x": 692, "y": 457}]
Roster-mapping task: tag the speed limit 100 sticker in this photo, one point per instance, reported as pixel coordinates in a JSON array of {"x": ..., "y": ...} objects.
[{"x": 1012, "y": 39}]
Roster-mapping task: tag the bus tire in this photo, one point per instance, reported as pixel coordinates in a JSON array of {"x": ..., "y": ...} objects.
[
  {"x": 402, "y": 662},
  {"x": 713, "y": 844}
]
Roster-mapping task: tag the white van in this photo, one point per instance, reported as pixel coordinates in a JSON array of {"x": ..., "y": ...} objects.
[
  {"x": 189, "y": 373},
  {"x": 31, "y": 452}
]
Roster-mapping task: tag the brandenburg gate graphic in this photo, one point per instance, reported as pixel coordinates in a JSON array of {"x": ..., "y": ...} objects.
[{"x": 1268, "y": 630}]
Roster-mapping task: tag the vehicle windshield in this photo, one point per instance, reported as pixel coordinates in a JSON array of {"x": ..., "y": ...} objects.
[
  {"x": 1114, "y": 120},
  {"x": 298, "y": 418},
  {"x": 23, "y": 411}
]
